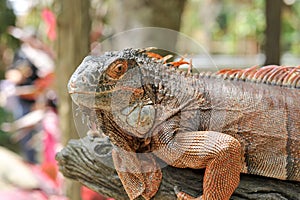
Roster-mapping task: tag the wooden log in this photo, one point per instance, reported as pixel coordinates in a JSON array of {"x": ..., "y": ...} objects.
[{"x": 89, "y": 161}]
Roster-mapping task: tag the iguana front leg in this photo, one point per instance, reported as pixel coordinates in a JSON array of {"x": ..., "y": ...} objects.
[
  {"x": 139, "y": 173},
  {"x": 219, "y": 153}
]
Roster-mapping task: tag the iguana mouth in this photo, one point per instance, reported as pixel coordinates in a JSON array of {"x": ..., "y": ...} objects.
[{"x": 93, "y": 98}]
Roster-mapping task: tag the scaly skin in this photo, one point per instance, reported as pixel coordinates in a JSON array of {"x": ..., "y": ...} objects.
[{"x": 230, "y": 122}]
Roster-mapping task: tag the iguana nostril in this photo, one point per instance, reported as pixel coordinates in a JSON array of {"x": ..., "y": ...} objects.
[
  {"x": 83, "y": 79},
  {"x": 72, "y": 86}
]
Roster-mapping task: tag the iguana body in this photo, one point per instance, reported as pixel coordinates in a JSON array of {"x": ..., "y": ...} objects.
[{"x": 229, "y": 122}]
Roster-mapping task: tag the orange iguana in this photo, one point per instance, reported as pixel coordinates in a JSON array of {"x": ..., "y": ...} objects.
[{"x": 229, "y": 122}]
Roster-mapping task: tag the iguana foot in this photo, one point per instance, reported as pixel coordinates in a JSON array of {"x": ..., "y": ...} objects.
[{"x": 184, "y": 196}]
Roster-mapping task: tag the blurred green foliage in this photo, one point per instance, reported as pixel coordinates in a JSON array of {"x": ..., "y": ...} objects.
[
  {"x": 240, "y": 20},
  {"x": 7, "y": 18},
  {"x": 290, "y": 28},
  {"x": 236, "y": 21},
  {"x": 5, "y": 139}
]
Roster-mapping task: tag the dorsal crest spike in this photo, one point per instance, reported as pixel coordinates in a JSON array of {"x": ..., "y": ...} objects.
[
  {"x": 147, "y": 49},
  {"x": 248, "y": 73},
  {"x": 272, "y": 74}
]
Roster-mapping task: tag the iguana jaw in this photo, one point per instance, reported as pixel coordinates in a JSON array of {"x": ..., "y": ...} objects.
[
  {"x": 132, "y": 112},
  {"x": 92, "y": 99}
]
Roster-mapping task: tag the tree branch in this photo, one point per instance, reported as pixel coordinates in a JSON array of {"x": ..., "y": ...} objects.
[{"x": 78, "y": 161}]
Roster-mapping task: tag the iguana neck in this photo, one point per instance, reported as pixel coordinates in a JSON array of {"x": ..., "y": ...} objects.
[{"x": 166, "y": 85}]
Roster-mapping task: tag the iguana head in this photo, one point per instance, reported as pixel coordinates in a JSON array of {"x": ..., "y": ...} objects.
[
  {"x": 113, "y": 83},
  {"x": 97, "y": 76}
]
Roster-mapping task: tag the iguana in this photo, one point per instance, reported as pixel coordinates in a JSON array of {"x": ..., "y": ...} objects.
[{"x": 229, "y": 122}]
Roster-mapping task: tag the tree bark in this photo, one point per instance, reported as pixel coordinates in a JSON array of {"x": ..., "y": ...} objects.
[
  {"x": 80, "y": 162},
  {"x": 128, "y": 14},
  {"x": 138, "y": 14},
  {"x": 273, "y": 31},
  {"x": 73, "y": 28}
]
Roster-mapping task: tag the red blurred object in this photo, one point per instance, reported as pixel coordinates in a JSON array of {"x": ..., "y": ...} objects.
[
  {"x": 49, "y": 18},
  {"x": 45, "y": 82},
  {"x": 19, "y": 194},
  {"x": 38, "y": 88},
  {"x": 88, "y": 194}
]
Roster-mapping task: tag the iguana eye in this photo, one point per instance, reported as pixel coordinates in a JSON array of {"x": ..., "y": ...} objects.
[{"x": 117, "y": 69}]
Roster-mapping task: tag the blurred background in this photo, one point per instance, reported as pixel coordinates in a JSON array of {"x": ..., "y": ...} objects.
[{"x": 43, "y": 41}]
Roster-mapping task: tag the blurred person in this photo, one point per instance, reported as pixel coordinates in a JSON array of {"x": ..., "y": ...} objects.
[
  {"x": 23, "y": 73},
  {"x": 28, "y": 77}
]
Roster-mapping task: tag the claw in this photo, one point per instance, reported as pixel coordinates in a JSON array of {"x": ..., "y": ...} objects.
[
  {"x": 184, "y": 196},
  {"x": 147, "y": 49},
  {"x": 177, "y": 189}
]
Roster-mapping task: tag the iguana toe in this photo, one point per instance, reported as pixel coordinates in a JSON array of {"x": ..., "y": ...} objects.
[{"x": 184, "y": 196}]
